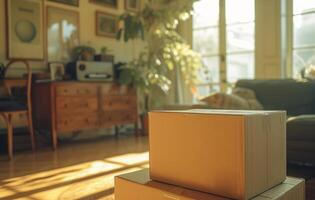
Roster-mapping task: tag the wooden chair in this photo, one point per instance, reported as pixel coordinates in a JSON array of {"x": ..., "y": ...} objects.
[{"x": 11, "y": 106}]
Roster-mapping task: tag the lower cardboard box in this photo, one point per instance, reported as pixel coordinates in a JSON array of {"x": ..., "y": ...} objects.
[{"x": 138, "y": 186}]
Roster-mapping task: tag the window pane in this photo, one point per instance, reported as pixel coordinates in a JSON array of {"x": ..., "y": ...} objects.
[
  {"x": 210, "y": 70},
  {"x": 240, "y": 37},
  {"x": 300, "y": 6},
  {"x": 206, "y": 41},
  {"x": 240, "y": 11},
  {"x": 240, "y": 66},
  {"x": 304, "y": 30},
  {"x": 206, "y": 13},
  {"x": 302, "y": 59}
]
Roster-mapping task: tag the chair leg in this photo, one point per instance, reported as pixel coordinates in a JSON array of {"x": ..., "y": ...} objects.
[
  {"x": 8, "y": 121},
  {"x": 31, "y": 130}
]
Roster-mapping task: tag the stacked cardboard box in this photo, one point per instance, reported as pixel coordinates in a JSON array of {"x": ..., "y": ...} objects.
[
  {"x": 138, "y": 186},
  {"x": 232, "y": 154}
]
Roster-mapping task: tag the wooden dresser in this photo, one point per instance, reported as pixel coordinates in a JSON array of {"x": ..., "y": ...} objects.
[{"x": 75, "y": 106}]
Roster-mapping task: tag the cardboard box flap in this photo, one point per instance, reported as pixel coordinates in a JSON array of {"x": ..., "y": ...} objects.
[{"x": 219, "y": 112}]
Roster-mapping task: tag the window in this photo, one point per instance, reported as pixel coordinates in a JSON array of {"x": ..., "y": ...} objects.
[
  {"x": 303, "y": 47},
  {"x": 223, "y": 33}
]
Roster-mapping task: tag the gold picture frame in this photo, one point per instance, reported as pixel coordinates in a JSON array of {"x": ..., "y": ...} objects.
[
  {"x": 133, "y": 5},
  {"x": 106, "y": 24},
  {"x": 107, "y": 3},
  {"x": 59, "y": 42},
  {"x": 24, "y": 29}
]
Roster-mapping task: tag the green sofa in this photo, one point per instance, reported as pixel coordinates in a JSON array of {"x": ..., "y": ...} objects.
[{"x": 297, "y": 97}]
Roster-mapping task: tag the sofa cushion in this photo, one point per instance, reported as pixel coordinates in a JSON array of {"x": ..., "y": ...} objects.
[
  {"x": 294, "y": 96},
  {"x": 301, "y": 128},
  {"x": 220, "y": 100}
]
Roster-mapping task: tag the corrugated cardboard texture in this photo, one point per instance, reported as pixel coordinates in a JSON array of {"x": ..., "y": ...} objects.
[
  {"x": 236, "y": 154},
  {"x": 138, "y": 186}
]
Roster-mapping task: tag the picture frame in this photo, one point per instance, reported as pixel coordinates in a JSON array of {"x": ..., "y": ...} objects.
[
  {"x": 106, "y": 24},
  {"x": 24, "y": 29},
  {"x": 57, "y": 71},
  {"x": 67, "y": 2},
  {"x": 133, "y": 5},
  {"x": 60, "y": 43},
  {"x": 107, "y": 3}
]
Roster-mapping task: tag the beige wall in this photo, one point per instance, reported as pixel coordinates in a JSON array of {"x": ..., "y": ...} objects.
[{"x": 121, "y": 50}]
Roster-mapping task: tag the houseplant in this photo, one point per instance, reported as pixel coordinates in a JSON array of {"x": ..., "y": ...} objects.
[
  {"x": 165, "y": 52},
  {"x": 83, "y": 53}
]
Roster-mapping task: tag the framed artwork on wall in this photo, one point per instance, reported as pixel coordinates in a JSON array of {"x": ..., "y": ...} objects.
[
  {"x": 108, "y": 3},
  {"x": 106, "y": 24},
  {"x": 133, "y": 5},
  {"x": 24, "y": 29},
  {"x": 68, "y": 2},
  {"x": 62, "y": 33}
]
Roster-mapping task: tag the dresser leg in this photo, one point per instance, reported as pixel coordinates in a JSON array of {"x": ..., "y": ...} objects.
[
  {"x": 116, "y": 131},
  {"x": 54, "y": 139},
  {"x": 136, "y": 129}
]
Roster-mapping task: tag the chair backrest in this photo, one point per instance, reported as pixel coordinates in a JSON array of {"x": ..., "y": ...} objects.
[{"x": 27, "y": 82}]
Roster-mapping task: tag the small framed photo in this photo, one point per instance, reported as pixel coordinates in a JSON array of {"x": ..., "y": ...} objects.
[
  {"x": 133, "y": 5},
  {"x": 106, "y": 24},
  {"x": 57, "y": 71},
  {"x": 107, "y": 3}
]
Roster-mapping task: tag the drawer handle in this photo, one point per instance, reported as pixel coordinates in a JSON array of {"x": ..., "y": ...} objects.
[
  {"x": 66, "y": 122},
  {"x": 66, "y": 106}
]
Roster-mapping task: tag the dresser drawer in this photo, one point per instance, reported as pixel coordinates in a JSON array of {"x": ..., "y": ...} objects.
[
  {"x": 77, "y": 90},
  {"x": 75, "y": 105},
  {"x": 119, "y": 102},
  {"x": 77, "y": 122},
  {"x": 113, "y": 89},
  {"x": 118, "y": 117}
]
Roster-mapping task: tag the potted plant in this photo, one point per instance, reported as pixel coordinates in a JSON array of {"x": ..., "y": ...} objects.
[
  {"x": 165, "y": 52},
  {"x": 83, "y": 53}
]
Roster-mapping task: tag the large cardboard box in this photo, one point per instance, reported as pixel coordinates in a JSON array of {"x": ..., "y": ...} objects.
[
  {"x": 235, "y": 154},
  {"x": 138, "y": 186}
]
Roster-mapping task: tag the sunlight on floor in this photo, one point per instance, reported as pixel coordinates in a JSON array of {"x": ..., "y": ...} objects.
[{"x": 90, "y": 180}]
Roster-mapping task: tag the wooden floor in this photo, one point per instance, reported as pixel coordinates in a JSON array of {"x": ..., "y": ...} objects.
[
  {"x": 76, "y": 171},
  {"x": 86, "y": 170}
]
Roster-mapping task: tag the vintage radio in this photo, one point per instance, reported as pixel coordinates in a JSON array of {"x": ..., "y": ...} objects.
[{"x": 91, "y": 71}]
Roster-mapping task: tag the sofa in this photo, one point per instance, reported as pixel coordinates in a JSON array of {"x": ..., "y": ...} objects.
[{"x": 297, "y": 97}]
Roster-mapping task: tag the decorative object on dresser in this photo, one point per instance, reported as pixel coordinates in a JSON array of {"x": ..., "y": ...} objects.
[
  {"x": 106, "y": 24},
  {"x": 83, "y": 53},
  {"x": 75, "y": 106},
  {"x": 68, "y": 2},
  {"x": 25, "y": 38},
  {"x": 90, "y": 71},
  {"x": 57, "y": 71},
  {"x": 17, "y": 105},
  {"x": 133, "y": 5},
  {"x": 61, "y": 41},
  {"x": 107, "y": 3}
]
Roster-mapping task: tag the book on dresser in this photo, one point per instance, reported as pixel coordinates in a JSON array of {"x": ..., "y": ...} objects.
[{"x": 69, "y": 106}]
